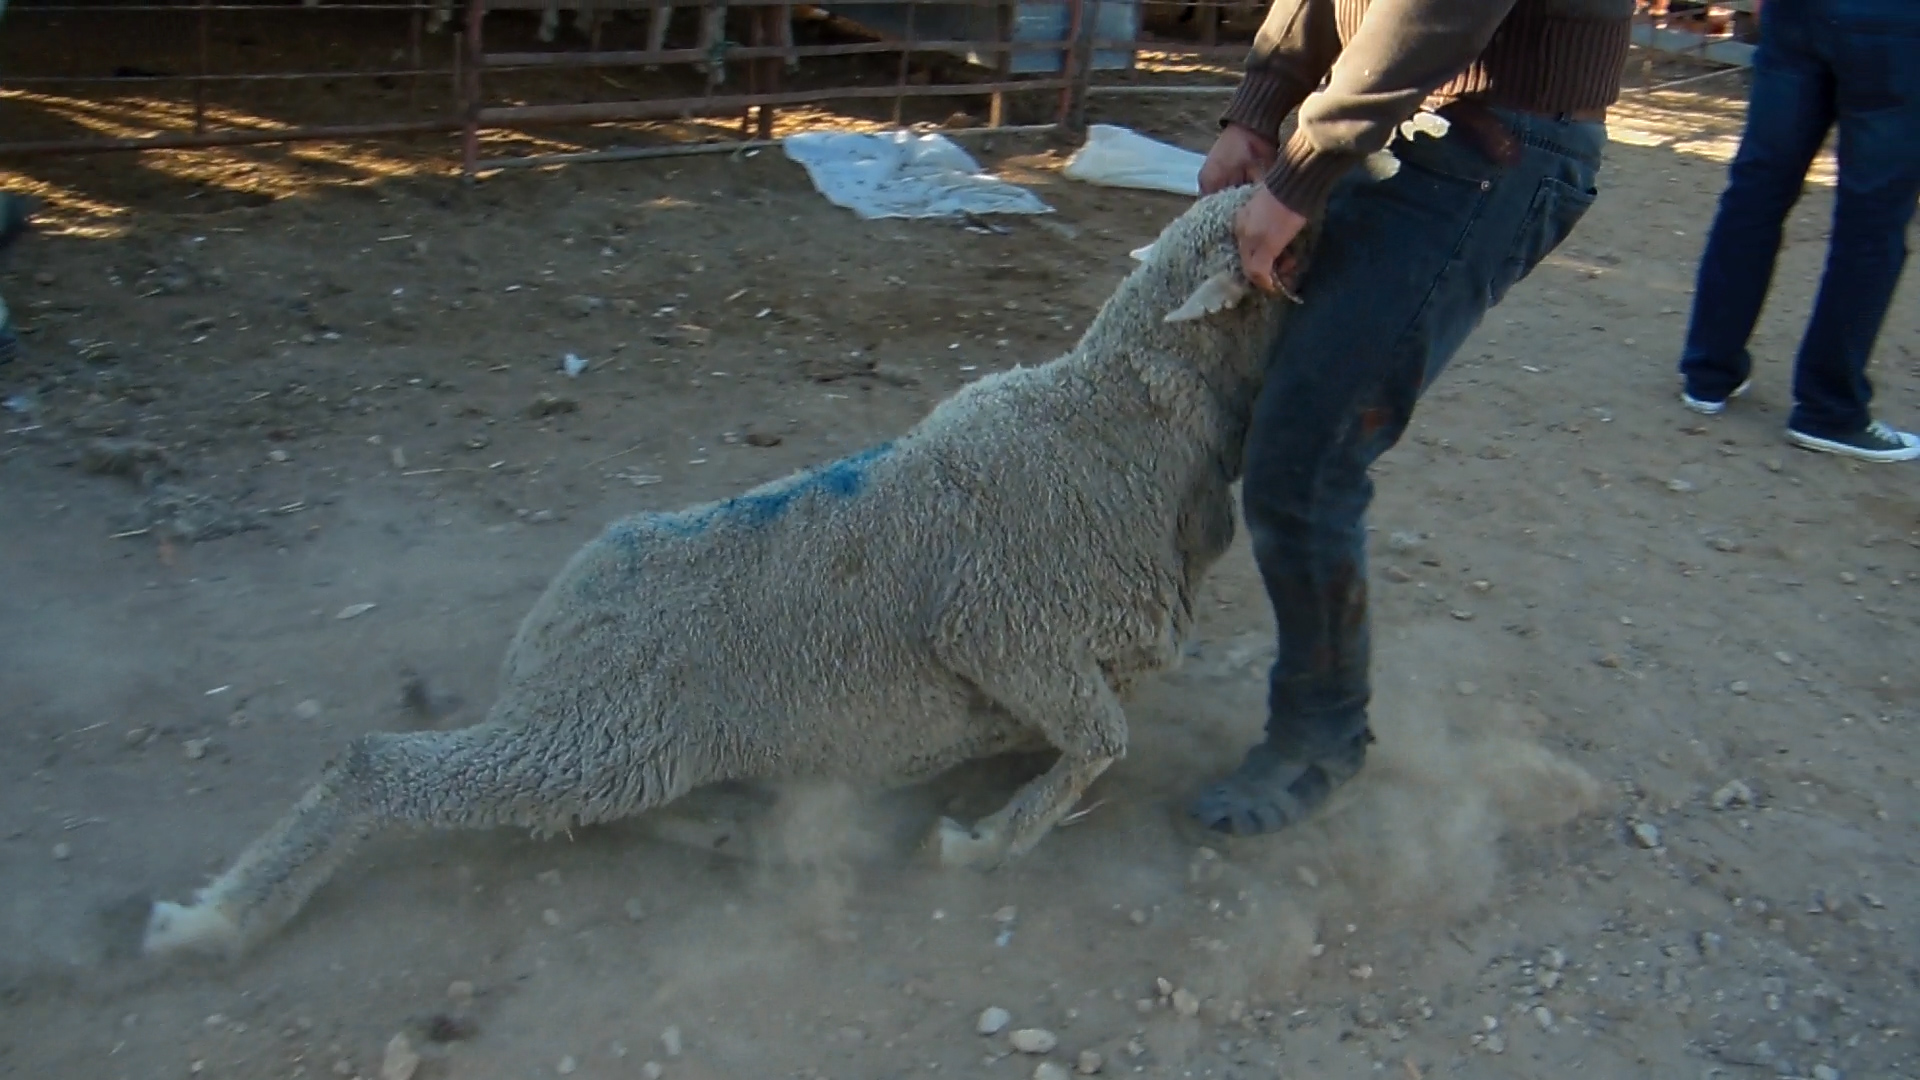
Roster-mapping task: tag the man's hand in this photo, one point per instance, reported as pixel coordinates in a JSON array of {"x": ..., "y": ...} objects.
[
  {"x": 1264, "y": 226},
  {"x": 1239, "y": 156}
]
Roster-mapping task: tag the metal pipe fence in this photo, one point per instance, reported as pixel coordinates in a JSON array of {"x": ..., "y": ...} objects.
[{"x": 105, "y": 76}]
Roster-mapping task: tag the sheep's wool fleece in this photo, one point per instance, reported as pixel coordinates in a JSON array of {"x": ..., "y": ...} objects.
[{"x": 963, "y": 590}]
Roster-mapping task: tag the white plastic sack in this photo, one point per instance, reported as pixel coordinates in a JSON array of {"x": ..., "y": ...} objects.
[
  {"x": 1119, "y": 157},
  {"x": 902, "y": 175}
]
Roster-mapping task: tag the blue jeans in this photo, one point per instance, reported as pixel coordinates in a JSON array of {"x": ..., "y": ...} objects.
[
  {"x": 1820, "y": 62},
  {"x": 1404, "y": 271}
]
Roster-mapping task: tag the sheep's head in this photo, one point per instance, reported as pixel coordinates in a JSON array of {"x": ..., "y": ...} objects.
[{"x": 1202, "y": 241}]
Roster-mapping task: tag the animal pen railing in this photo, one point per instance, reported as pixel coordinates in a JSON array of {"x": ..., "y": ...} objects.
[{"x": 101, "y": 75}]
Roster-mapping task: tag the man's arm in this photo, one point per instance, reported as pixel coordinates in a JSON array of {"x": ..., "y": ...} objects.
[
  {"x": 1297, "y": 43},
  {"x": 1402, "y": 51}
]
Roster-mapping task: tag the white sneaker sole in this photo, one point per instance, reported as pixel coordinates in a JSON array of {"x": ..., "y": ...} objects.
[
  {"x": 1827, "y": 446},
  {"x": 1713, "y": 408}
]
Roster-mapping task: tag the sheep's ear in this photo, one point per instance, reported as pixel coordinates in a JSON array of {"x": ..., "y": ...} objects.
[
  {"x": 1141, "y": 254},
  {"x": 1218, "y": 293}
]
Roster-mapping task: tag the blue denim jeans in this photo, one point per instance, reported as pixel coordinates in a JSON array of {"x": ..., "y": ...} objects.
[
  {"x": 1854, "y": 63},
  {"x": 1404, "y": 271}
]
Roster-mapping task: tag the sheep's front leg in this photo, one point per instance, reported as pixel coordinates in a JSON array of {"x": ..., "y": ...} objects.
[{"x": 1075, "y": 708}]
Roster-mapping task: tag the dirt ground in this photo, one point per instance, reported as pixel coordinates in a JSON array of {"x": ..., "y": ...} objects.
[{"x": 1645, "y": 801}]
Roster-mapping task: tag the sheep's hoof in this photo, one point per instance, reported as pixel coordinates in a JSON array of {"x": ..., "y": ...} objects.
[
  {"x": 201, "y": 928},
  {"x": 962, "y": 848}
]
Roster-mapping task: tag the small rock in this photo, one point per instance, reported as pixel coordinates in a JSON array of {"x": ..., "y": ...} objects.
[
  {"x": 1804, "y": 1030},
  {"x": 63, "y": 852},
  {"x": 1543, "y": 1016},
  {"x": 354, "y": 611},
  {"x": 1186, "y": 1002},
  {"x": 550, "y": 917},
  {"x": 1395, "y": 574},
  {"x": 1739, "y": 687},
  {"x": 1467, "y": 689},
  {"x": 1711, "y": 944},
  {"x": 670, "y": 1041},
  {"x": 762, "y": 439},
  {"x": 399, "y": 1062},
  {"x": 545, "y": 405},
  {"x": 1732, "y": 793},
  {"x": 1554, "y": 959},
  {"x": 1681, "y": 486},
  {"x": 1089, "y": 1063},
  {"x": 1496, "y": 1043},
  {"x": 442, "y": 1028},
  {"x": 634, "y": 908},
  {"x": 1548, "y": 979},
  {"x": 1784, "y": 657},
  {"x": 1050, "y": 1070},
  {"x": 1461, "y": 614},
  {"x": 1403, "y": 541},
  {"x": 279, "y": 457},
  {"x": 123, "y": 457},
  {"x": 1847, "y": 578},
  {"x": 1726, "y": 544},
  {"x": 1825, "y": 1072},
  {"x": 582, "y": 306},
  {"x": 1646, "y": 834},
  {"x": 460, "y": 992},
  {"x": 1006, "y": 914},
  {"x": 993, "y": 1020},
  {"x": 1033, "y": 1040},
  {"x": 652, "y": 1071},
  {"x": 1611, "y": 660},
  {"x": 137, "y": 736},
  {"x": 573, "y": 365},
  {"x": 307, "y": 710},
  {"x": 567, "y": 1066},
  {"x": 195, "y": 749},
  {"x": 1137, "y": 917}
]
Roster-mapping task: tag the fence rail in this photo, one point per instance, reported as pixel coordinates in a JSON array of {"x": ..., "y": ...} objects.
[{"x": 130, "y": 77}]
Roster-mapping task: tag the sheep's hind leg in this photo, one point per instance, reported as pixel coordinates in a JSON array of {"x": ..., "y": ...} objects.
[
  {"x": 1077, "y": 711},
  {"x": 471, "y": 777}
]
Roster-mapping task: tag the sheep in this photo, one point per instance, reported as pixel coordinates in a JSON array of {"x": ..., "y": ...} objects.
[
  {"x": 991, "y": 581},
  {"x": 713, "y": 24},
  {"x": 587, "y": 16}
]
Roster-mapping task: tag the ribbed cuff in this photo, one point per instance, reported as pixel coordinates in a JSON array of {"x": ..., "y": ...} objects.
[
  {"x": 1303, "y": 178},
  {"x": 1261, "y": 103}
]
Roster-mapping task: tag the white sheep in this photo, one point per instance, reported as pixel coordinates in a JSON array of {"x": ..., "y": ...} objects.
[
  {"x": 587, "y": 15},
  {"x": 988, "y": 582}
]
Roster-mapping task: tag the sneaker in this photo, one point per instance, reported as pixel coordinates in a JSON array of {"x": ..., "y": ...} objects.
[
  {"x": 1712, "y": 408},
  {"x": 1875, "y": 442}
]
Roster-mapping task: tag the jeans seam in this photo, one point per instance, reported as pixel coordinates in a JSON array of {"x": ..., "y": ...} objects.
[
  {"x": 1453, "y": 254},
  {"x": 1541, "y": 142}
]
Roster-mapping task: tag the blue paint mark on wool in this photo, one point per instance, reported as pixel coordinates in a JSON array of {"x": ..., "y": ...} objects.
[{"x": 843, "y": 479}]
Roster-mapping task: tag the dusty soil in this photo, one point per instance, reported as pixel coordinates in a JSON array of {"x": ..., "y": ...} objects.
[{"x": 1596, "y": 613}]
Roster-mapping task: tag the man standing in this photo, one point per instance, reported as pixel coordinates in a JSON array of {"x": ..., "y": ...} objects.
[
  {"x": 1856, "y": 62},
  {"x": 1403, "y": 271}
]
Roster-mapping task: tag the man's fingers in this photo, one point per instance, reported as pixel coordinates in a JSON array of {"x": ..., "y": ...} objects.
[{"x": 1256, "y": 262}]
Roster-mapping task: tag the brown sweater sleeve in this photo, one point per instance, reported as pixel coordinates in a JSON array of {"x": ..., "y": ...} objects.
[
  {"x": 1401, "y": 51},
  {"x": 1297, "y": 43}
]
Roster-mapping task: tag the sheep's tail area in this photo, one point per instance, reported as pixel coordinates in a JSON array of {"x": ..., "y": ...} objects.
[{"x": 474, "y": 777}]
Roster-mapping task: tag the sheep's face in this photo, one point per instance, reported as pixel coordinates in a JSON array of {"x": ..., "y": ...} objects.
[{"x": 1201, "y": 244}]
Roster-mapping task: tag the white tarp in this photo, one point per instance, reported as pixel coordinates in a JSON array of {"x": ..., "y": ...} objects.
[
  {"x": 1118, "y": 157},
  {"x": 903, "y": 175}
]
